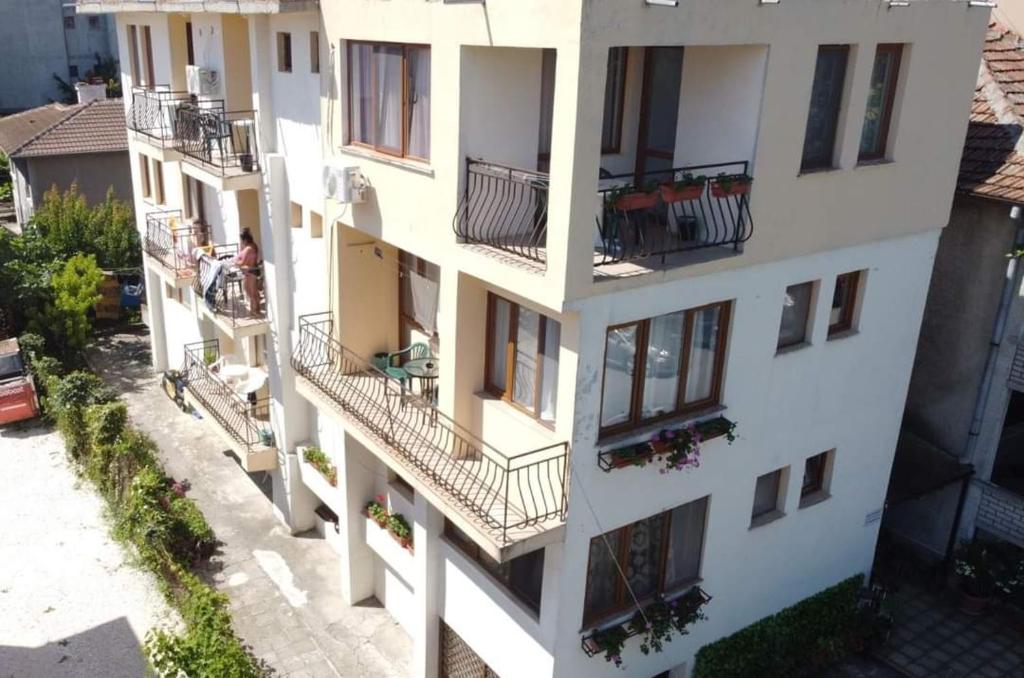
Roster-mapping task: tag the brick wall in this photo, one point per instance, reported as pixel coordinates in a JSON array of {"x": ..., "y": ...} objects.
[{"x": 1001, "y": 513}]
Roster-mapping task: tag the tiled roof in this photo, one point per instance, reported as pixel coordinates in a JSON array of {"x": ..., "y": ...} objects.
[
  {"x": 18, "y": 129},
  {"x": 96, "y": 127},
  {"x": 992, "y": 164}
]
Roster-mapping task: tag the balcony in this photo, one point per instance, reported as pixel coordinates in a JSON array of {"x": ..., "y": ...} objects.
[
  {"x": 243, "y": 420},
  {"x": 505, "y": 210},
  {"x": 220, "y": 144},
  {"x": 219, "y": 287},
  {"x": 170, "y": 243},
  {"x": 153, "y": 115},
  {"x": 188, "y": 6},
  {"x": 508, "y": 503}
]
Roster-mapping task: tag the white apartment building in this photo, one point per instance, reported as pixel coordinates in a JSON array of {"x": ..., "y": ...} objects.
[{"x": 492, "y": 276}]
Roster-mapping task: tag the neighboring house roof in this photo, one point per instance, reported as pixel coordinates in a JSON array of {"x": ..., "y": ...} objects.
[
  {"x": 55, "y": 130},
  {"x": 992, "y": 165}
]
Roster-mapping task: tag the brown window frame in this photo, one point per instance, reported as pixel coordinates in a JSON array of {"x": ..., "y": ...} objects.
[
  {"x": 506, "y": 394},
  {"x": 159, "y": 197},
  {"x": 845, "y": 322},
  {"x": 815, "y": 165},
  {"x": 284, "y": 52},
  {"x": 615, "y": 145},
  {"x": 808, "y": 314},
  {"x": 193, "y": 192},
  {"x": 314, "y": 51},
  {"x": 888, "y": 101},
  {"x": 190, "y": 50},
  {"x": 144, "y": 178},
  {"x": 134, "y": 62},
  {"x": 623, "y": 597},
  {"x": 403, "y": 152},
  {"x": 636, "y": 419},
  {"x": 819, "y": 480},
  {"x": 147, "y": 52}
]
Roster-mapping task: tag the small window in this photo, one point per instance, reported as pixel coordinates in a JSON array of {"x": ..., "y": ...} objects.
[
  {"x": 767, "y": 497},
  {"x": 190, "y": 49},
  {"x": 885, "y": 73},
  {"x": 404, "y": 485},
  {"x": 523, "y": 357},
  {"x": 147, "y": 55},
  {"x": 195, "y": 208},
  {"x": 389, "y": 98},
  {"x": 295, "y": 214},
  {"x": 523, "y": 576},
  {"x": 157, "y": 175},
  {"x": 73, "y": 70},
  {"x": 844, "y": 302},
  {"x": 94, "y": 23},
  {"x": 796, "y": 311},
  {"x": 816, "y": 480},
  {"x": 314, "y": 52},
  {"x": 169, "y": 291},
  {"x": 316, "y": 225},
  {"x": 614, "y": 100},
  {"x": 133, "y": 54},
  {"x": 144, "y": 181},
  {"x": 284, "y": 52},
  {"x": 826, "y": 101},
  {"x": 660, "y": 555},
  {"x": 69, "y": 22}
]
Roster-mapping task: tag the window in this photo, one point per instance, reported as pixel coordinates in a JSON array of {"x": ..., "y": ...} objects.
[
  {"x": 549, "y": 57},
  {"x": 195, "y": 208},
  {"x": 69, "y": 22},
  {"x": 844, "y": 301},
  {"x": 874, "y": 135},
  {"x": 816, "y": 478},
  {"x": 314, "y": 52},
  {"x": 147, "y": 55},
  {"x": 522, "y": 357},
  {"x": 680, "y": 369},
  {"x": 140, "y": 56},
  {"x": 144, "y": 180},
  {"x": 418, "y": 296},
  {"x": 133, "y": 53},
  {"x": 389, "y": 98},
  {"x": 614, "y": 100},
  {"x": 295, "y": 214},
  {"x": 659, "y": 555},
  {"x": 826, "y": 99},
  {"x": 316, "y": 225},
  {"x": 796, "y": 310},
  {"x": 767, "y": 497},
  {"x": 190, "y": 49},
  {"x": 94, "y": 23},
  {"x": 522, "y": 576},
  {"x": 157, "y": 175},
  {"x": 284, "y": 52}
]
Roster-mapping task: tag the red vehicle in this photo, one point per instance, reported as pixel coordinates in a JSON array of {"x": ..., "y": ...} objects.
[{"x": 18, "y": 399}]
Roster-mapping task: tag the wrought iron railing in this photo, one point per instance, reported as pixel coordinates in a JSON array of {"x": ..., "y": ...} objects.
[
  {"x": 505, "y": 208},
  {"x": 718, "y": 217},
  {"x": 154, "y": 113},
  {"x": 246, "y": 420},
  {"x": 172, "y": 242},
  {"x": 220, "y": 140},
  {"x": 226, "y": 296},
  {"x": 506, "y": 493}
]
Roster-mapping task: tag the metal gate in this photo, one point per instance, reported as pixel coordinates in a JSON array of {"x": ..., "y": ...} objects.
[{"x": 458, "y": 659}]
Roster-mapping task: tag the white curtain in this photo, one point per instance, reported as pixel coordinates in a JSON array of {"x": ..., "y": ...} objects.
[
  {"x": 424, "y": 293},
  {"x": 701, "y": 373},
  {"x": 661, "y": 378},
  {"x": 389, "y": 97},
  {"x": 499, "y": 343},
  {"x": 619, "y": 359},
  {"x": 361, "y": 91},
  {"x": 686, "y": 542},
  {"x": 549, "y": 378},
  {"x": 527, "y": 340},
  {"x": 419, "y": 102}
]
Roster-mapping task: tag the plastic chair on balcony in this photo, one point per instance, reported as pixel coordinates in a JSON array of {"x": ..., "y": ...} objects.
[{"x": 397, "y": 372}]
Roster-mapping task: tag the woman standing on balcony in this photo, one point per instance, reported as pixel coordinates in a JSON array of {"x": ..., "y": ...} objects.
[{"x": 248, "y": 260}]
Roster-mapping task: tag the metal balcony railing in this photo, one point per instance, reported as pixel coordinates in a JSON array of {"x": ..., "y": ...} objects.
[
  {"x": 508, "y": 495},
  {"x": 505, "y": 208},
  {"x": 227, "y": 299},
  {"x": 246, "y": 420},
  {"x": 172, "y": 242},
  {"x": 153, "y": 113},
  {"x": 222, "y": 141},
  {"x": 716, "y": 218}
]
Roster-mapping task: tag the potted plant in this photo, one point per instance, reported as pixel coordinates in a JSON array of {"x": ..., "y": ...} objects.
[
  {"x": 725, "y": 185},
  {"x": 376, "y": 511},
  {"x": 245, "y": 160},
  {"x": 631, "y": 197},
  {"x": 316, "y": 458},
  {"x": 973, "y": 566},
  {"x": 400, "y": 530},
  {"x": 266, "y": 437},
  {"x": 686, "y": 188}
]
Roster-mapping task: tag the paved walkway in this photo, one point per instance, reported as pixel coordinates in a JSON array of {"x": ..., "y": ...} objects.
[
  {"x": 284, "y": 590},
  {"x": 71, "y": 605}
]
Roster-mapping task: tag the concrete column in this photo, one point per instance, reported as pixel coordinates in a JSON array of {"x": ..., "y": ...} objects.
[
  {"x": 157, "y": 325},
  {"x": 356, "y": 466},
  {"x": 428, "y": 526},
  {"x": 261, "y": 46}
]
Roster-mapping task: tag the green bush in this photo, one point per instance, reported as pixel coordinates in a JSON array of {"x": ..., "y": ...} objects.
[
  {"x": 798, "y": 641},
  {"x": 68, "y": 399}
]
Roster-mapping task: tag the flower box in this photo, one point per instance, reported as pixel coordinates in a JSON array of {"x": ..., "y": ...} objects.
[
  {"x": 669, "y": 193},
  {"x": 678, "y": 448},
  {"x": 727, "y": 186},
  {"x": 636, "y": 201}
]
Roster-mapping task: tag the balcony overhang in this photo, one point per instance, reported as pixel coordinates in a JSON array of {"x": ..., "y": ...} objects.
[
  {"x": 176, "y": 279},
  {"x": 235, "y": 328},
  {"x": 260, "y": 458},
  {"x": 152, "y": 147},
  {"x": 220, "y": 180},
  {"x": 196, "y": 6}
]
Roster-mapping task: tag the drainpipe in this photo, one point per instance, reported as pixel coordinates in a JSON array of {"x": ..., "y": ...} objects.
[{"x": 998, "y": 329}]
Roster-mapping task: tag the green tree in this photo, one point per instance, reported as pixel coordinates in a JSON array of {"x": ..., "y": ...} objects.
[
  {"x": 5, "y": 177},
  {"x": 65, "y": 321},
  {"x": 107, "y": 230}
]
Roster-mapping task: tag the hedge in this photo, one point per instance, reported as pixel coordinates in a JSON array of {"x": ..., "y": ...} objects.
[
  {"x": 798, "y": 641},
  {"x": 150, "y": 513}
]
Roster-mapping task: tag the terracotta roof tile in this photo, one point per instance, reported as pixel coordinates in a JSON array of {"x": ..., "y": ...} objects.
[
  {"x": 18, "y": 129},
  {"x": 96, "y": 127}
]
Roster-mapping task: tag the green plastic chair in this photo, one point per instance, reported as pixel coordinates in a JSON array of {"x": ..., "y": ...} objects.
[{"x": 413, "y": 352}]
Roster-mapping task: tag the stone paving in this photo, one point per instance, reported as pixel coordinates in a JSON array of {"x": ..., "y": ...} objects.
[{"x": 284, "y": 589}]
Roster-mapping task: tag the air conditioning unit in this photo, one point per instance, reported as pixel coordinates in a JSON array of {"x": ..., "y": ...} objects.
[
  {"x": 344, "y": 184},
  {"x": 204, "y": 82}
]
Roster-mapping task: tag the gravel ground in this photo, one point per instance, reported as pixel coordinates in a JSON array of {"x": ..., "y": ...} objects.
[{"x": 71, "y": 605}]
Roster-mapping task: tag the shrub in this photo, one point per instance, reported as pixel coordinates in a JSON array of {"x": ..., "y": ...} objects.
[
  {"x": 68, "y": 398},
  {"x": 113, "y": 467},
  {"x": 316, "y": 458},
  {"x": 798, "y": 641}
]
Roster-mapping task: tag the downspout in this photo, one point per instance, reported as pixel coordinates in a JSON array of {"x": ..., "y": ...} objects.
[{"x": 998, "y": 330}]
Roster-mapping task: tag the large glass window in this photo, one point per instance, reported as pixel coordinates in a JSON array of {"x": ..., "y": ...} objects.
[
  {"x": 389, "y": 98},
  {"x": 522, "y": 357},
  {"x": 658, "y": 555},
  {"x": 826, "y": 100},
  {"x": 523, "y": 576},
  {"x": 884, "y": 76},
  {"x": 681, "y": 369}
]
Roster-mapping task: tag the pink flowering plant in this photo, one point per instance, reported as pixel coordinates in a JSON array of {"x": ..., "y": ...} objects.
[{"x": 678, "y": 449}]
